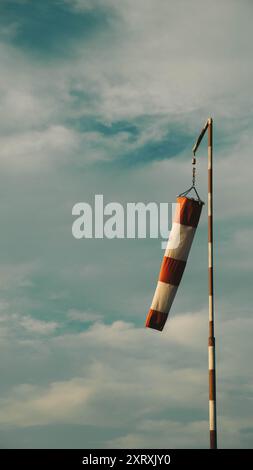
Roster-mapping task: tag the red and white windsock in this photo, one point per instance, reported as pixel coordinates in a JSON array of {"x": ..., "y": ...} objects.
[{"x": 185, "y": 222}]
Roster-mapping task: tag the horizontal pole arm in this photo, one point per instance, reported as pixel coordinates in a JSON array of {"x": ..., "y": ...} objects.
[{"x": 200, "y": 137}]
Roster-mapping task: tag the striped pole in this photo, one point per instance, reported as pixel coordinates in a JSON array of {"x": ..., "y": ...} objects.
[{"x": 211, "y": 339}]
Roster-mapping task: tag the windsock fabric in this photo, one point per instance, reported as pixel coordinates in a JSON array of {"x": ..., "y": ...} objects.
[{"x": 185, "y": 222}]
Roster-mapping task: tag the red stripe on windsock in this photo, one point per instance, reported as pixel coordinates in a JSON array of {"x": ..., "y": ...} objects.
[
  {"x": 188, "y": 213},
  {"x": 172, "y": 270},
  {"x": 156, "y": 320}
]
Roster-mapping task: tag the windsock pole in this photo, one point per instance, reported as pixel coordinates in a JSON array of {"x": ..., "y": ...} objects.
[{"x": 211, "y": 340}]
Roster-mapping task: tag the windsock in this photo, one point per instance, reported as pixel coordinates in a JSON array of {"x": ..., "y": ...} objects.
[{"x": 185, "y": 222}]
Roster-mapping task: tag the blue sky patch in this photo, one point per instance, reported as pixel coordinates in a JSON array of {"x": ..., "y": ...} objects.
[{"x": 46, "y": 28}]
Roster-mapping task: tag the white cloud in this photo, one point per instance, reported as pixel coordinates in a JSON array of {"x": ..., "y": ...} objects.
[
  {"x": 150, "y": 375},
  {"x": 152, "y": 68},
  {"x": 38, "y": 326},
  {"x": 83, "y": 317},
  {"x": 34, "y": 149},
  {"x": 143, "y": 67},
  {"x": 16, "y": 275},
  {"x": 163, "y": 434},
  {"x": 32, "y": 405}
]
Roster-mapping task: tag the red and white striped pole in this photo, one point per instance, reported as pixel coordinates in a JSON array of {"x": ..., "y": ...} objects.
[{"x": 211, "y": 340}]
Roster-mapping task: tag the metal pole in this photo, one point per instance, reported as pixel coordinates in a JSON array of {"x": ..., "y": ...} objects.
[{"x": 211, "y": 340}]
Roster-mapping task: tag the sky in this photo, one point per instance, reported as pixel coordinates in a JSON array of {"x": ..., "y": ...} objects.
[{"x": 107, "y": 97}]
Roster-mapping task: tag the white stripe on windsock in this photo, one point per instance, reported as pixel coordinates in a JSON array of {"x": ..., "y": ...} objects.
[
  {"x": 180, "y": 241},
  {"x": 164, "y": 296}
]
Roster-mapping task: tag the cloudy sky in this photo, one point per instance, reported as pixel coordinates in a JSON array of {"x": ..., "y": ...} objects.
[{"x": 107, "y": 97}]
